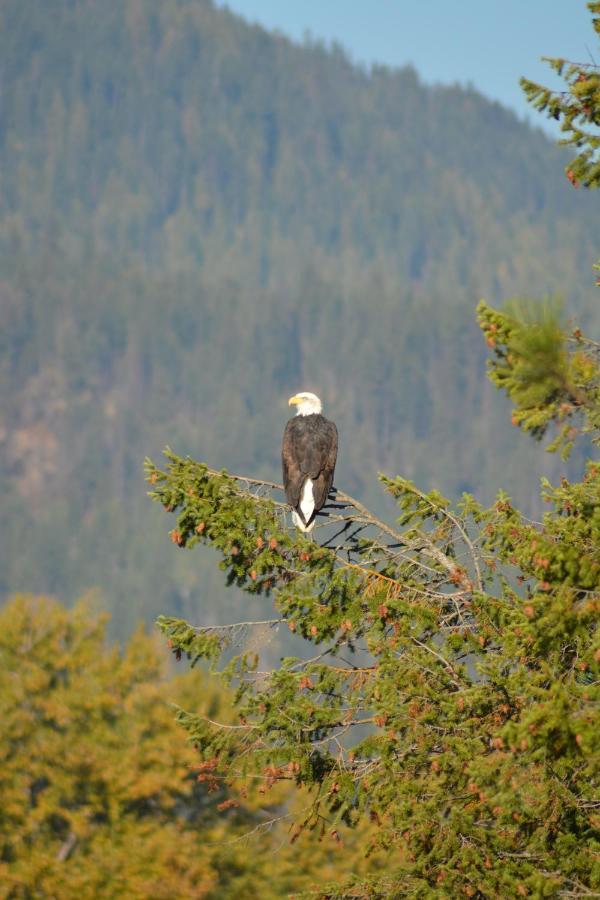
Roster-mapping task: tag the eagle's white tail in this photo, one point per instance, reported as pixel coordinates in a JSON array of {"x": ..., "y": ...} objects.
[
  {"x": 300, "y": 524},
  {"x": 307, "y": 507}
]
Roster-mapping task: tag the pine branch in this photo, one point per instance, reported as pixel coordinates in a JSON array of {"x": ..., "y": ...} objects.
[{"x": 452, "y": 650}]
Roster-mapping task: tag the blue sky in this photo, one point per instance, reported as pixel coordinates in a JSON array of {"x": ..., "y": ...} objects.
[{"x": 488, "y": 43}]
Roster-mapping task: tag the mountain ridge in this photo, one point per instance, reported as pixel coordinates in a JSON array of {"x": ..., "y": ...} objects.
[{"x": 197, "y": 219}]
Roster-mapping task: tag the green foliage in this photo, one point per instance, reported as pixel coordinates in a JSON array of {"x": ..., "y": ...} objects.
[
  {"x": 577, "y": 109},
  {"x": 451, "y": 695},
  {"x": 550, "y": 378},
  {"x": 180, "y": 250}
]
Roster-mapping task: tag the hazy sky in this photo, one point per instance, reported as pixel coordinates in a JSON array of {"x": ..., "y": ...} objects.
[{"x": 489, "y": 43}]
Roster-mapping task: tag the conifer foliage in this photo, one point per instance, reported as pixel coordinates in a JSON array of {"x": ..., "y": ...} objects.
[
  {"x": 450, "y": 692},
  {"x": 551, "y": 377},
  {"x": 451, "y": 688},
  {"x": 577, "y": 109}
]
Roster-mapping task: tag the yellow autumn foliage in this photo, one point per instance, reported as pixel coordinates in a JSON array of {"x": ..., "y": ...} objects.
[{"x": 98, "y": 790}]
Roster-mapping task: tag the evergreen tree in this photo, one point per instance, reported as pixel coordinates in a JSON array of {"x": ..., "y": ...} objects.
[
  {"x": 450, "y": 693},
  {"x": 551, "y": 377},
  {"x": 577, "y": 109}
]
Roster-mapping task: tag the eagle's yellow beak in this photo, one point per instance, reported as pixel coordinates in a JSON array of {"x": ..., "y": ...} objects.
[{"x": 293, "y": 400}]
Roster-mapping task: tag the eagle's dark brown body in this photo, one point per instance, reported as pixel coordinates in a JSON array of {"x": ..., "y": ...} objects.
[{"x": 309, "y": 451}]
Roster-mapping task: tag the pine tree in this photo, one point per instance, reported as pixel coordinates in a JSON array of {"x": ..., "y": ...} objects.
[
  {"x": 450, "y": 695},
  {"x": 551, "y": 376},
  {"x": 577, "y": 109}
]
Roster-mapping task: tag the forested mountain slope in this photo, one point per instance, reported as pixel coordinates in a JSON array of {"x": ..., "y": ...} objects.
[{"x": 198, "y": 218}]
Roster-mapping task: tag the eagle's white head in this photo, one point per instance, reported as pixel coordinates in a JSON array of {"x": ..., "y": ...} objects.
[{"x": 308, "y": 404}]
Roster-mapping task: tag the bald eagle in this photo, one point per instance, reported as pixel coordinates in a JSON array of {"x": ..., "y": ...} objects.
[{"x": 308, "y": 455}]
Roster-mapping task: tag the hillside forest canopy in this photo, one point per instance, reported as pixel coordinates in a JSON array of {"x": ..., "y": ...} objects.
[{"x": 197, "y": 217}]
